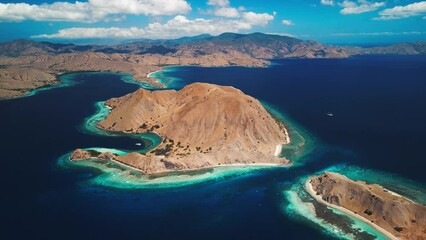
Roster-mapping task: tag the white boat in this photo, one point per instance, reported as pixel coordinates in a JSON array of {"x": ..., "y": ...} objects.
[
  {"x": 138, "y": 144},
  {"x": 330, "y": 114}
]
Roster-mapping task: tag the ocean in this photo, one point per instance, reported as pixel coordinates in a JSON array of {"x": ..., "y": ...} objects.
[{"x": 376, "y": 132}]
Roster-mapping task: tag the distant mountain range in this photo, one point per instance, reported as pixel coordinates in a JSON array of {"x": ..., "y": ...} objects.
[
  {"x": 257, "y": 45},
  {"x": 26, "y": 65}
]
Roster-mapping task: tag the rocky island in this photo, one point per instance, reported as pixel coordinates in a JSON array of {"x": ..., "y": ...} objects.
[
  {"x": 396, "y": 216},
  {"x": 202, "y": 126}
]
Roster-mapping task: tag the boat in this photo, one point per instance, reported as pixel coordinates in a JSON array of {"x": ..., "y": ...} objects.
[
  {"x": 329, "y": 114},
  {"x": 138, "y": 144}
]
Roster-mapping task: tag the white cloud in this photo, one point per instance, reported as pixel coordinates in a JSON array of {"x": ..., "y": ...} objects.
[
  {"x": 223, "y": 9},
  {"x": 228, "y": 12},
  {"x": 399, "y": 12},
  {"x": 327, "y": 2},
  {"x": 179, "y": 26},
  {"x": 220, "y": 3},
  {"x": 90, "y": 11},
  {"x": 287, "y": 22},
  {"x": 361, "y": 6},
  {"x": 378, "y": 34},
  {"x": 241, "y": 8},
  {"x": 257, "y": 18},
  {"x": 282, "y": 34}
]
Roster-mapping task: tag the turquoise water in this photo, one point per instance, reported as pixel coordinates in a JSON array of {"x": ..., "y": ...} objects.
[
  {"x": 65, "y": 81},
  {"x": 118, "y": 176},
  {"x": 165, "y": 76}
]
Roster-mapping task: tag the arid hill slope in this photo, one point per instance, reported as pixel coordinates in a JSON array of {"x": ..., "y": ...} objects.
[{"x": 398, "y": 215}]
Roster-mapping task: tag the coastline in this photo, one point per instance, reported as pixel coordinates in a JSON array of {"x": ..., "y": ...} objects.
[
  {"x": 206, "y": 167},
  {"x": 62, "y": 81},
  {"x": 149, "y": 74},
  {"x": 261, "y": 165},
  {"x": 310, "y": 190},
  {"x": 300, "y": 143}
]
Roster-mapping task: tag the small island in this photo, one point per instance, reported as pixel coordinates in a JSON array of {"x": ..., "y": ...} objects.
[
  {"x": 202, "y": 126},
  {"x": 394, "y": 215}
]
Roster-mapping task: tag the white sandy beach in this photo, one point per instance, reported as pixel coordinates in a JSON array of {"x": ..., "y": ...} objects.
[{"x": 149, "y": 74}]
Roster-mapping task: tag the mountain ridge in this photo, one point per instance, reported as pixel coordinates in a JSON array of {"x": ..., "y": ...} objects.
[{"x": 258, "y": 45}]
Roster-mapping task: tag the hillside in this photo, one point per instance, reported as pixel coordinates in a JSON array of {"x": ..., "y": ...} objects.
[{"x": 396, "y": 214}]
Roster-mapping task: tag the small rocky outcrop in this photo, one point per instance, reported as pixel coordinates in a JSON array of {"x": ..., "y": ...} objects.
[{"x": 80, "y": 154}]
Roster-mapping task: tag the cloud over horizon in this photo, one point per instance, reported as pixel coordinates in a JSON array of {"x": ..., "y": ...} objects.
[{"x": 179, "y": 26}]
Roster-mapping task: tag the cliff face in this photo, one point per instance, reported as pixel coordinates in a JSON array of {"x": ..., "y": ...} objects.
[
  {"x": 202, "y": 125},
  {"x": 399, "y": 216}
]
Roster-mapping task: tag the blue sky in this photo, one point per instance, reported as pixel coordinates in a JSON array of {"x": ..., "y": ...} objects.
[{"x": 329, "y": 21}]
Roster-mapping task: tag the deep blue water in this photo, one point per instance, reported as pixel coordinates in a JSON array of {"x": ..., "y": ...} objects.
[{"x": 379, "y": 122}]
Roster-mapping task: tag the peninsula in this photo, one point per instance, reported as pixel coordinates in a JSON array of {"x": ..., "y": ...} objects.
[
  {"x": 202, "y": 126},
  {"x": 395, "y": 216}
]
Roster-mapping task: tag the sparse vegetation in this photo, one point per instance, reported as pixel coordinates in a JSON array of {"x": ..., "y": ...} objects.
[
  {"x": 368, "y": 212},
  {"x": 94, "y": 153}
]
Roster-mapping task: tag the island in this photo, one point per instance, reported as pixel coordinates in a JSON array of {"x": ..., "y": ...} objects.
[
  {"x": 202, "y": 126},
  {"x": 394, "y": 215}
]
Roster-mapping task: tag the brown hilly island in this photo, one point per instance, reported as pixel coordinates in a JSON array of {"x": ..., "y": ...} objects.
[
  {"x": 203, "y": 125},
  {"x": 400, "y": 217}
]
